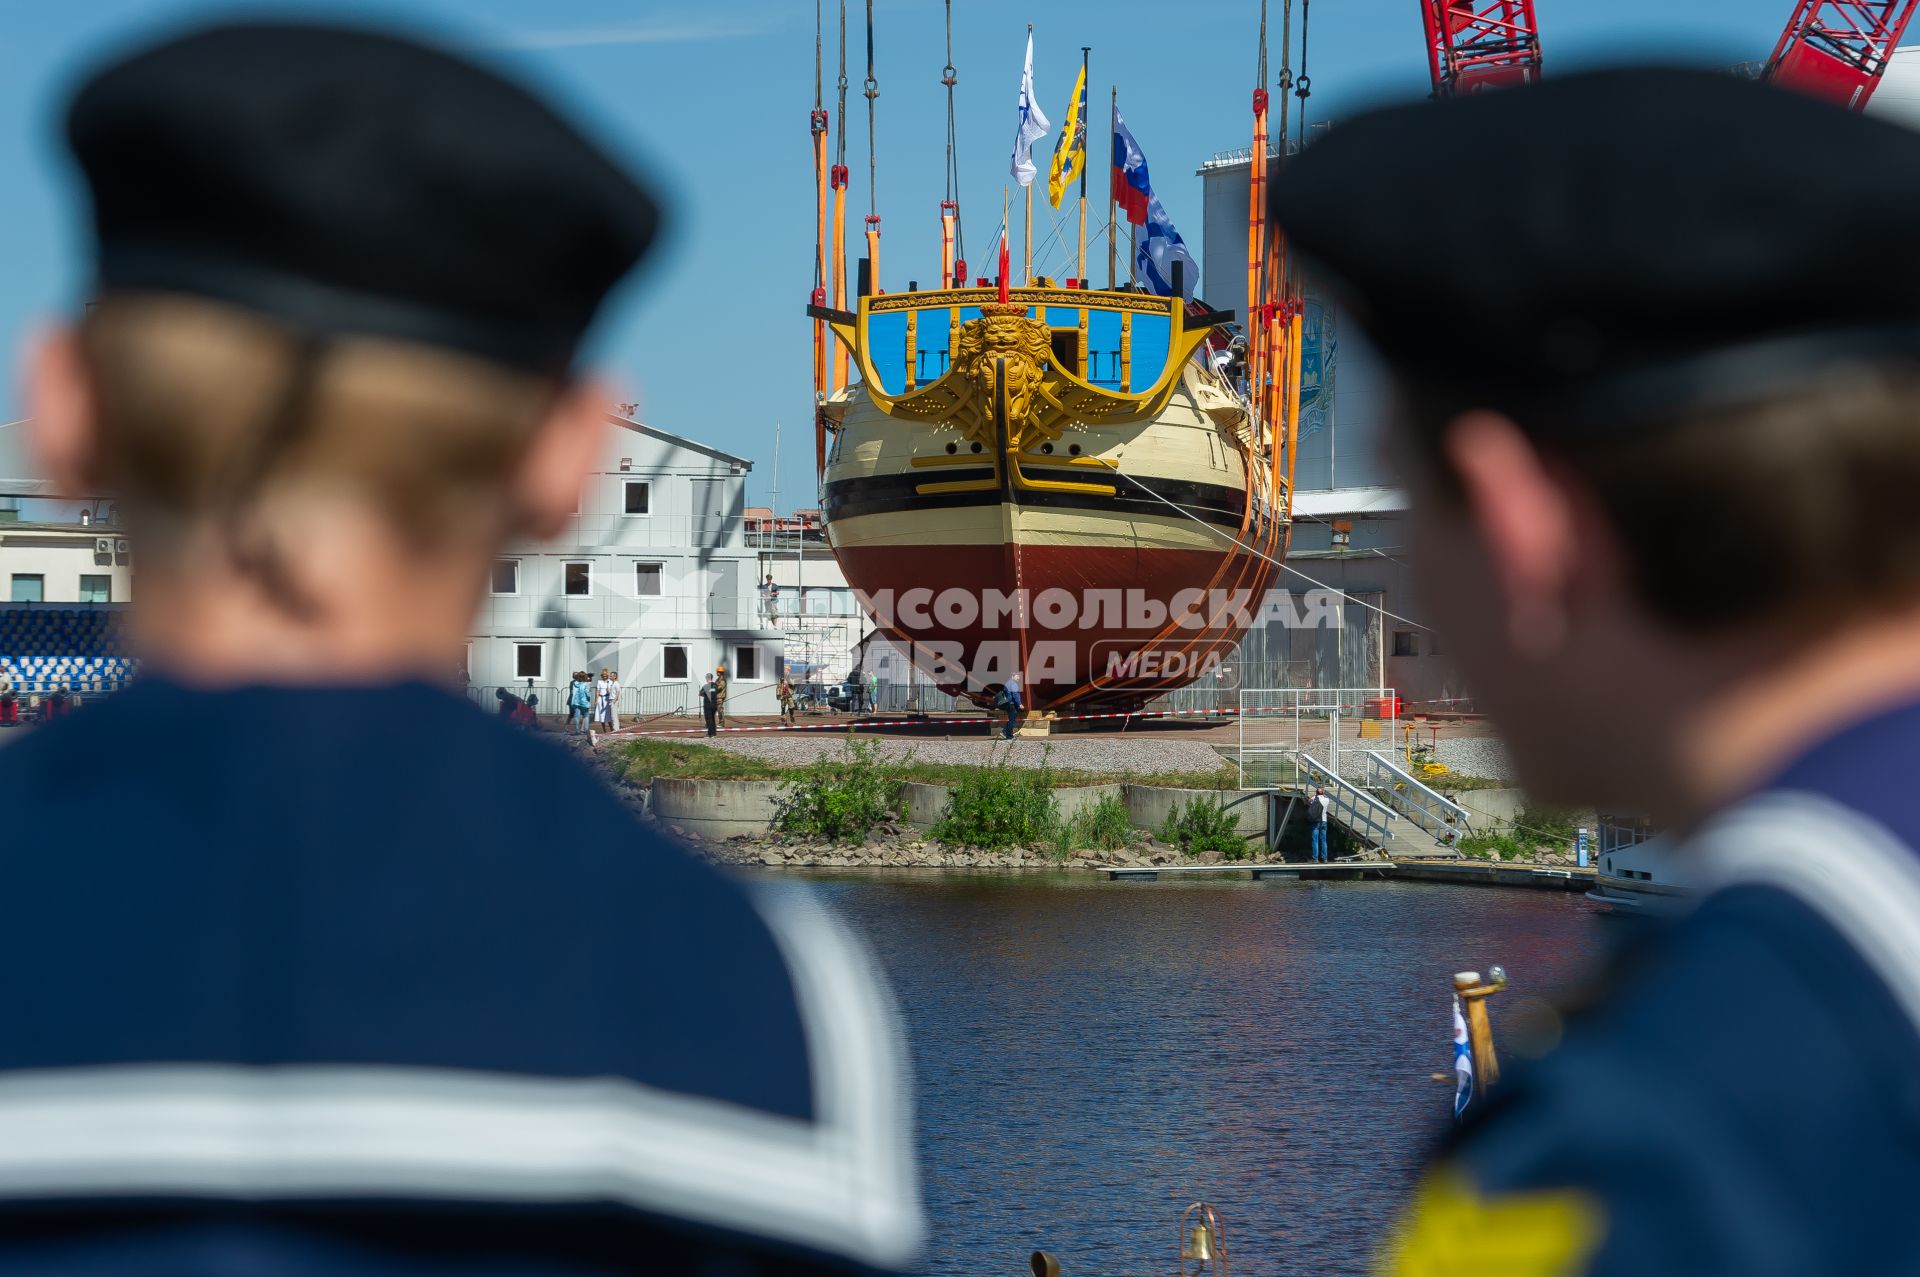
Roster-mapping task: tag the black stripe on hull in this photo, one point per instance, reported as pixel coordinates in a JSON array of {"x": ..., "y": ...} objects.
[{"x": 1214, "y": 503}]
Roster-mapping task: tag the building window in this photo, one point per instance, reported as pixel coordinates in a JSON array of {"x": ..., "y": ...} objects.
[
  {"x": 96, "y": 588},
  {"x": 29, "y": 587},
  {"x": 1406, "y": 643},
  {"x": 639, "y": 497},
  {"x": 646, "y": 579},
  {"x": 673, "y": 662},
  {"x": 530, "y": 661},
  {"x": 579, "y": 579},
  {"x": 746, "y": 664},
  {"x": 506, "y": 576},
  {"x": 1433, "y": 643}
]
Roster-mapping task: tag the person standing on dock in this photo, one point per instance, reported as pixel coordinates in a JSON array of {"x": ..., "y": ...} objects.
[
  {"x": 710, "y": 705},
  {"x": 1010, "y": 693},
  {"x": 352, "y": 977},
  {"x": 1317, "y": 808},
  {"x": 1662, "y": 430}
]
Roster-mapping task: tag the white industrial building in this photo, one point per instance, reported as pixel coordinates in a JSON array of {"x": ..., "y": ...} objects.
[{"x": 653, "y": 578}]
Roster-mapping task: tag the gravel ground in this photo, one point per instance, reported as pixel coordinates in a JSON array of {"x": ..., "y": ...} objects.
[
  {"x": 1094, "y": 754},
  {"x": 1481, "y": 756}
]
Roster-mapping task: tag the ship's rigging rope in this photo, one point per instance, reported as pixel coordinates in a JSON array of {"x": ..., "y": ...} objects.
[
  {"x": 1257, "y": 553},
  {"x": 950, "y": 78}
]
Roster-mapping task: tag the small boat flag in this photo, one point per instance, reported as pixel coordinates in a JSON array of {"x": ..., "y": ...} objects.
[
  {"x": 1462, "y": 1063},
  {"x": 1033, "y": 124},
  {"x": 1070, "y": 151},
  {"x": 1131, "y": 186}
]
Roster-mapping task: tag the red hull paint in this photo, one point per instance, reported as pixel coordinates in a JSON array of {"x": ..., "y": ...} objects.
[{"x": 1075, "y": 653}]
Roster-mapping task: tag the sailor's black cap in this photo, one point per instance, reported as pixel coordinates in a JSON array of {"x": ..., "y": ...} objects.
[
  {"x": 348, "y": 182},
  {"x": 1600, "y": 251}
]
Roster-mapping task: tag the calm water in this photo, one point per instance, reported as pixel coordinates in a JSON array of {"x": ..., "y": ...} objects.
[{"x": 1092, "y": 1056}]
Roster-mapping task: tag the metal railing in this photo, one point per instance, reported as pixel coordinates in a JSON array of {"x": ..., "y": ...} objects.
[
  {"x": 633, "y": 702},
  {"x": 25, "y": 685},
  {"x": 1365, "y": 816},
  {"x": 1429, "y": 810},
  {"x": 916, "y": 698},
  {"x": 1335, "y": 724}
]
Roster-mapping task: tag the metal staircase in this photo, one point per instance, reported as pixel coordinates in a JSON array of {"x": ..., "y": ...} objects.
[{"x": 1393, "y": 812}]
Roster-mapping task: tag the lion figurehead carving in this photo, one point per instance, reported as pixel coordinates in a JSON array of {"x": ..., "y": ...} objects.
[{"x": 1005, "y": 331}]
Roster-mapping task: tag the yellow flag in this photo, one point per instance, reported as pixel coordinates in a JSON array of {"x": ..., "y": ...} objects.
[{"x": 1070, "y": 151}]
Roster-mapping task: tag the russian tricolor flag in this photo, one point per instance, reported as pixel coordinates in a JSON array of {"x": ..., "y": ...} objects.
[{"x": 1131, "y": 187}]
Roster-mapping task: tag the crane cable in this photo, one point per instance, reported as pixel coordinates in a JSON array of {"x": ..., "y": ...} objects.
[
  {"x": 949, "y": 77},
  {"x": 1284, "y": 81},
  {"x": 1306, "y": 81},
  {"x": 840, "y": 153},
  {"x": 1260, "y": 79},
  {"x": 819, "y": 124},
  {"x": 872, "y": 94}
]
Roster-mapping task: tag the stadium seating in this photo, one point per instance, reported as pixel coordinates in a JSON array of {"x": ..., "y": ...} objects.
[{"x": 49, "y": 646}]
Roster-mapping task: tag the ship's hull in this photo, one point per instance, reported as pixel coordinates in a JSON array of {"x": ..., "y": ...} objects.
[{"x": 1101, "y": 598}]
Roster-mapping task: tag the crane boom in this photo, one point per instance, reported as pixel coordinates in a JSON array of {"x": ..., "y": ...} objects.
[
  {"x": 1481, "y": 44},
  {"x": 1838, "y": 49}
]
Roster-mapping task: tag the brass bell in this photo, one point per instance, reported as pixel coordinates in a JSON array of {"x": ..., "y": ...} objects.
[{"x": 1199, "y": 1244}]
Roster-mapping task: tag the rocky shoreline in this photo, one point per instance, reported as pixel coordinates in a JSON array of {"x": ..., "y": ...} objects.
[{"x": 890, "y": 847}]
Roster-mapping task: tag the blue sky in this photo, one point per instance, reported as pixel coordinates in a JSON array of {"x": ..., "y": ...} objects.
[{"x": 712, "y": 99}]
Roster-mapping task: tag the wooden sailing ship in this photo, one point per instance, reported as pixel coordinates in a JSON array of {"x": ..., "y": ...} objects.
[{"x": 1089, "y": 487}]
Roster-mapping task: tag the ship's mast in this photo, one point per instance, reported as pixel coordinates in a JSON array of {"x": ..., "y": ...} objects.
[
  {"x": 1081, "y": 274},
  {"x": 1026, "y": 273},
  {"x": 1113, "y": 203},
  {"x": 953, "y": 249}
]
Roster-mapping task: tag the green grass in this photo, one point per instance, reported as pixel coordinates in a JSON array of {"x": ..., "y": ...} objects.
[{"x": 642, "y": 760}]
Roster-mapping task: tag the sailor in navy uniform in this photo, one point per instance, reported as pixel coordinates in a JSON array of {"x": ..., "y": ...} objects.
[
  {"x": 311, "y": 966},
  {"x": 1655, "y": 337}
]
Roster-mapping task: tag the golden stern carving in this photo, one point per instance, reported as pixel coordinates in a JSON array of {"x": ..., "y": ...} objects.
[{"x": 1043, "y": 399}]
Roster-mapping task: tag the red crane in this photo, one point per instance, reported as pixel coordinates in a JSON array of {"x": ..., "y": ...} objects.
[
  {"x": 1838, "y": 49},
  {"x": 1481, "y": 44}
]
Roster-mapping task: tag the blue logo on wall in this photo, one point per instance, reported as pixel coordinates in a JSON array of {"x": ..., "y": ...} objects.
[{"x": 1319, "y": 352}]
